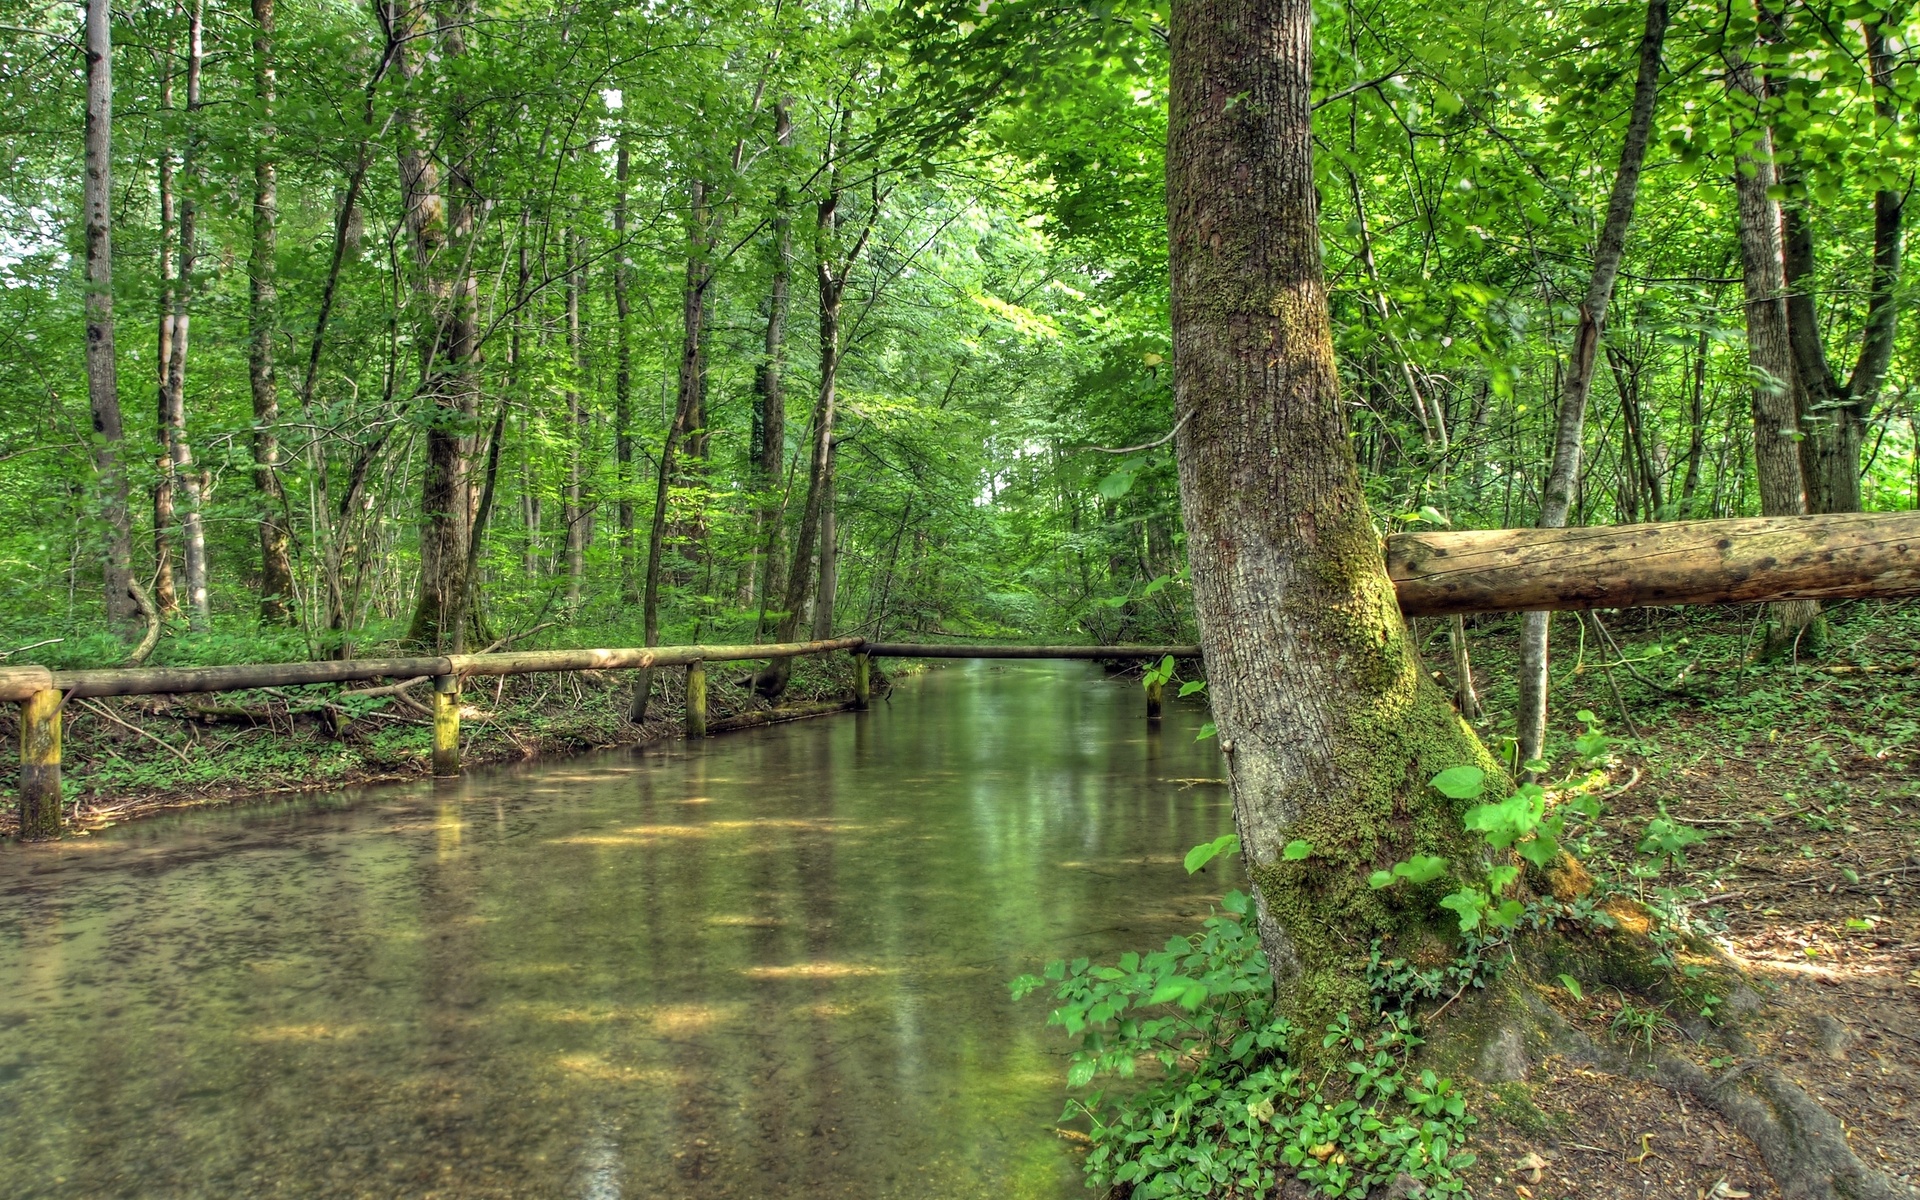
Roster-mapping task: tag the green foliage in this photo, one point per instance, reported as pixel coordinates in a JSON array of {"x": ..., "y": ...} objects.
[
  {"x": 1228, "y": 1112},
  {"x": 1205, "y": 852}
]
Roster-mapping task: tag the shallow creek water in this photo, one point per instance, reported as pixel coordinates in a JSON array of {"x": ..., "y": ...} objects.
[{"x": 772, "y": 964}]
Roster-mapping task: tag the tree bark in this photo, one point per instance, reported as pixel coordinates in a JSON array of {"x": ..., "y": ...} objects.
[
  {"x": 276, "y": 566},
  {"x": 186, "y": 481},
  {"x": 1577, "y": 382},
  {"x": 1776, "y": 431},
  {"x": 1330, "y": 726},
  {"x": 103, "y": 385}
]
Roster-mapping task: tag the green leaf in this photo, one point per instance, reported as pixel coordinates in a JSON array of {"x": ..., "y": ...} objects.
[
  {"x": 1380, "y": 879},
  {"x": 1421, "y": 868},
  {"x": 1460, "y": 783},
  {"x": 1206, "y": 852},
  {"x": 1116, "y": 485},
  {"x": 1206, "y": 731},
  {"x": 1192, "y": 686},
  {"x": 1572, "y": 985},
  {"x": 1432, "y": 515},
  {"x": 1296, "y": 850}
]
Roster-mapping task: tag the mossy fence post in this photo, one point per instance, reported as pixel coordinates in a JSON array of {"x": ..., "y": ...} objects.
[
  {"x": 696, "y": 699},
  {"x": 40, "y": 766},
  {"x": 446, "y": 725},
  {"x": 1154, "y": 691},
  {"x": 862, "y": 679}
]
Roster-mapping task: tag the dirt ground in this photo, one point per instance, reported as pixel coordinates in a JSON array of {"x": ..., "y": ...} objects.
[{"x": 1803, "y": 779}]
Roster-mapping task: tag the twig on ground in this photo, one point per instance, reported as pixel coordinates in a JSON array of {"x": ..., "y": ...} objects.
[{"x": 104, "y": 711}]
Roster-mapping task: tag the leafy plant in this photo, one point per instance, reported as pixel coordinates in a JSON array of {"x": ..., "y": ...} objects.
[{"x": 1230, "y": 1111}]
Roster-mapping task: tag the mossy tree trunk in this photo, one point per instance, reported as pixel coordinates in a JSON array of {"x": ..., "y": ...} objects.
[{"x": 1330, "y": 727}]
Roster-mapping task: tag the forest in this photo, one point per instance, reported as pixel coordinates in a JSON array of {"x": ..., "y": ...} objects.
[
  {"x": 410, "y": 326},
  {"x": 339, "y": 332}
]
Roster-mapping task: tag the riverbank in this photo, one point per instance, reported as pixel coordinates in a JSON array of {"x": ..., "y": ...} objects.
[{"x": 134, "y": 756}]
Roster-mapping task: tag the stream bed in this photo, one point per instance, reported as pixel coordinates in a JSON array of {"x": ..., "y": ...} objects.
[{"x": 771, "y": 964}]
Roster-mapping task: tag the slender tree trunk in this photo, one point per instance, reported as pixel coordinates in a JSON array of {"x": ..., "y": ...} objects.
[
  {"x": 187, "y": 481},
  {"x": 686, "y": 407},
  {"x": 164, "y": 599},
  {"x": 440, "y": 229},
  {"x": 574, "y": 512},
  {"x": 828, "y": 590},
  {"x": 770, "y": 405},
  {"x": 1328, "y": 722},
  {"x": 103, "y": 385},
  {"x": 1576, "y": 384},
  {"x": 623, "y": 380},
  {"x": 276, "y": 567},
  {"x": 1696, "y": 427},
  {"x": 1776, "y": 424},
  {"x": 1834, "y": 412},
  {"x": 831, "y": 287}
]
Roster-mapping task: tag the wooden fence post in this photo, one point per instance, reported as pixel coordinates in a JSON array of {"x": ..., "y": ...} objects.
[
  {"x": 1154, "y": 687},
  {"x": 696, "y": 699},
  {"x": 862, "y": 679},
  {"x": 446, "y": 725},
  {"x": 40, "y": 766}
]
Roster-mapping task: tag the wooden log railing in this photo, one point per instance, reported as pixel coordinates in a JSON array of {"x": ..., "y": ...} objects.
[{"x": 1434, "y": 573}]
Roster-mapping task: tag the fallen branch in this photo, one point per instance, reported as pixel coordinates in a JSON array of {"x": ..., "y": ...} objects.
[{"x": 103, "y": 711}]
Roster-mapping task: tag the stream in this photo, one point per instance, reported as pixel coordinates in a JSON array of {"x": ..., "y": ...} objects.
[{"x": 771, "y": 964}]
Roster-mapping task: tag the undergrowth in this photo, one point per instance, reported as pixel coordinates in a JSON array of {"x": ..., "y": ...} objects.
[{"x": 1192, "y": 1084}]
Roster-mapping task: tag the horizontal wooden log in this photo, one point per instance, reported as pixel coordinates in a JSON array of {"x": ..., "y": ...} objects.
[
  {"x": 147, "y": 681},
  {"x": 636, "y": 657},
  {"x": 915, "y": 650},
  {"x": 1828, "y": 557},
  {"x": 18, "y": 683}
]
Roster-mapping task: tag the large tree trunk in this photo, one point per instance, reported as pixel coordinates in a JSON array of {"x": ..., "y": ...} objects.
[
  {"x": 276, "y": 567},
  {"x": 1577, "y": 383},
  {"x": 1330, "y": 726},
  {"x": 440, "y": 228},
  {"x": 103, "y": 385},
  {"x": 623, "y": 377},
  {"x": 186, "y": 481},
  {"x": 1776, "y": 424},
  {"x": 1835, "y": 412}
]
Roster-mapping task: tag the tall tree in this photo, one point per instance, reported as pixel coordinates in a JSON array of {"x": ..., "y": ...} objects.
[
  {"x": 263, "y": 308},
  {"x": 186, "y": 482},
  {"x": 1775, "y": 391},
  {"x": 833, "y": 263},
  {"x": 768, "y": 441},
  {"x": 1330, "y": 726},
  {"x": 1577, "y": 382},
  {"x": 103, "y": 385},
  {"x": 164, "y": 596},
  {"x": 623, "y": 372},
  {"x": 1836, "y": 412},
  {"x": 440, "y": 218}
]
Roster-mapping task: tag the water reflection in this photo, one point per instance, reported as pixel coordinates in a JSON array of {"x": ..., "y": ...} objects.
[{"x": 768, "y": 965}]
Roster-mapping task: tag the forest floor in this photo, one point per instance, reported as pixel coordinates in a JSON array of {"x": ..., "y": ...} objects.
[
  {"x": 1804, "y": 778},
  {"x": 137, "y": 755}
]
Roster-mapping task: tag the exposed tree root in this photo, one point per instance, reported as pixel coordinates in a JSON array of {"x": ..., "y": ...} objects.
[{"x": 1804, "y": 1146}]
